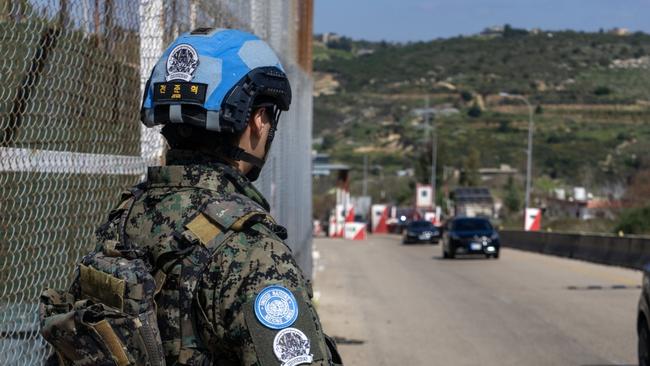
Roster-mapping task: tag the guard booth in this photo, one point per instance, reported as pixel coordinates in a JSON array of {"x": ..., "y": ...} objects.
[{"x": 473, "y": 202}]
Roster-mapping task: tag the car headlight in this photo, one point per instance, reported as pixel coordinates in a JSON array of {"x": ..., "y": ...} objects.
[
  {"x": 494, "y": 236},
  {"x": 454, "y": 237}
]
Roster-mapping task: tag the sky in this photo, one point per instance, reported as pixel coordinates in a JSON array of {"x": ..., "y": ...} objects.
[{"x": 414, "y": 20}]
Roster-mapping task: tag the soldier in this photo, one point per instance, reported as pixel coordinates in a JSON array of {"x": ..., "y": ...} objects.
[
  {"x": 219, "y": 95},
  {"x": 227, "y": 289}
]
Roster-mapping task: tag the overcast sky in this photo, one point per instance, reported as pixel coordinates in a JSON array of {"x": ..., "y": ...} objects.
[{"x": 411, "y": 20}]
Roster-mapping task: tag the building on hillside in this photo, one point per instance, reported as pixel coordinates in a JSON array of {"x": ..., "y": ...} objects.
[
  {"x": 583, "y": 209},
  {"x": 495, "y": 31},
  {"x": 473, "y": 202},
  {"x": 497, "y": 176},
  {"x": 330, "y": 37},
  {"x": 365, "y": 51},
  {"x": 321, "y": 165},
  {"x": 619, "y": 31}
]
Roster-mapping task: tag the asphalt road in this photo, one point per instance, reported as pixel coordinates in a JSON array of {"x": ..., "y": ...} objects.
[{"x": 390, "y": 304}]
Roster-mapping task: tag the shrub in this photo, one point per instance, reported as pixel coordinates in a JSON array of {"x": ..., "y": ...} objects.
[
  {"x": 634, "y": 221},
  {"x": 602, "y": 90},
  {"x": 466, "y": 95},
  {"x": 474, "y": 111}
]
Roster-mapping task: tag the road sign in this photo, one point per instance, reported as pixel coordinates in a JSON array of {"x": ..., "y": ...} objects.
[
  {"x": 379, "y": 219},
  {"x": 533, "y": 220},
  {"x": 355, "y": 231},
  {"x": 423, "y": 196}
]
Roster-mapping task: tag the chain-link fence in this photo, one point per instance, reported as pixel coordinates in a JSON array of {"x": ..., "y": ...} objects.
[{"x": 72, "y": 72}]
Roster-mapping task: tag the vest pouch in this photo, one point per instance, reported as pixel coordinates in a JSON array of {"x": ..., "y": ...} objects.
[
  {"x": 109, "y": 317},
  {"x": 83, "y": 336}
]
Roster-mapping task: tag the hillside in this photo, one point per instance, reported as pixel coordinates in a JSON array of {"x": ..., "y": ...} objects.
[{"x": 590, "y": 91}]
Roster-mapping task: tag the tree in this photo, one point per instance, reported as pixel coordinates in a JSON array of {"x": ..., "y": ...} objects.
[
  {"x": 635, "y": 221},
  {"x": 512, "y": 199},
  {"x": 466, "y": 95},
  {"x": 474, "y": 111},
  {"x": 509, "y": 31},
  {"x": 470, "y": 176}
]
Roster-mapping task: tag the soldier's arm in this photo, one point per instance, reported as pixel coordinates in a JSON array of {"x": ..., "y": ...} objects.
[{"x": 267, "y": 307}]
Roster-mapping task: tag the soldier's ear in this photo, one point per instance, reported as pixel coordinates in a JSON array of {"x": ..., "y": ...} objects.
[{"x": 257, "y": 122}]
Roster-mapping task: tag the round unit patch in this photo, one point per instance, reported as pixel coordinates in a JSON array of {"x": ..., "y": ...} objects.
[
  {"x": 291, "y": 347},
  {"x": 182, "y": 62},
  {"x": 276, "y": 307}
]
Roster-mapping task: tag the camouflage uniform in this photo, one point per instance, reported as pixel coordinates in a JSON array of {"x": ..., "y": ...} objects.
[{"x": 252, "y": 258}]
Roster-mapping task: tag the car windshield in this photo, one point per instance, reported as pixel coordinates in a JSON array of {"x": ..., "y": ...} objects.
[
  {"x": 420, "y": 225},
  {"x": 472, "y": 225}
]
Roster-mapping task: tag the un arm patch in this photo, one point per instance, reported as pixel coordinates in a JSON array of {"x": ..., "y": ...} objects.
[
  {"x": 276, "y": 307},
  {"x": 294, "y": 344}
]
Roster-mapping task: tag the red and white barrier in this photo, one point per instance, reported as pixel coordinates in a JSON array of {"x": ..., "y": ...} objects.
[
  {"x": 533, "y": 220},
  {"x": 332, "y": 230},
  {"x": 355, "y": 231},
  {"x": 433, "y": 217},
  {"x": 379, "y": 219},
  {"x": 350, "y": 215}
]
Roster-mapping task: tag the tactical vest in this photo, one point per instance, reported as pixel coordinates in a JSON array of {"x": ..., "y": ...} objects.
[{"x": 108, "y": 317}]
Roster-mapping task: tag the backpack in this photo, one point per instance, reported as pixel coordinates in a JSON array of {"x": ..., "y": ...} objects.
[{"x": 108, "y": 317}]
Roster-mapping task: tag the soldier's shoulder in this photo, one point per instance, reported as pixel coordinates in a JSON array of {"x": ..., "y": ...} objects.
[
  {"x": 240, "y": 215},
  {"x": 232, "y": 211}
]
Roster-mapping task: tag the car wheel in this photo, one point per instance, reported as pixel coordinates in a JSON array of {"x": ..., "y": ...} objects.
[
  {"x": 644, "y": 338},
  {"x": 445, "y": 254},
  {"x": 496, "y": 255},
  {"x": 452, "y": 253}
]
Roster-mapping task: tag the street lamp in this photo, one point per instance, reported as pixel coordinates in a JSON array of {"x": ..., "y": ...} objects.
[{"x": 530, "y": 142}]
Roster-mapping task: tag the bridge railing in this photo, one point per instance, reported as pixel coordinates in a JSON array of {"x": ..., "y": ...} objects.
[{"x": 624, "y": 251}]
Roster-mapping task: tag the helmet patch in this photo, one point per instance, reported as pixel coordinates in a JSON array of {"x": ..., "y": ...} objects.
[{"x": 182, "y": 62}]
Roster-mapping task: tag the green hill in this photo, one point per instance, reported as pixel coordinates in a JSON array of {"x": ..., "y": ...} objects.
[{"x": 591, "y": 93}]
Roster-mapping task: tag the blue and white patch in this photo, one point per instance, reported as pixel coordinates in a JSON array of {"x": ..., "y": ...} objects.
[{"x": 276, "y": 307}]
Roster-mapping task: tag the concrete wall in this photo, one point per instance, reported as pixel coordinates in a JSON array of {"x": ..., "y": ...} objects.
[{"x": 627, "y": 251}]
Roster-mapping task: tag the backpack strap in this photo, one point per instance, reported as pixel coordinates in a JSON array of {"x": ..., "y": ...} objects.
[
  {"x": 129, "y": 199},
  {"x": 216, "y": 222}
]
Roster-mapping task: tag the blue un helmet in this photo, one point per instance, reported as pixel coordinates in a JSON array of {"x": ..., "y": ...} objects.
[{"x": 212, "y": 79}]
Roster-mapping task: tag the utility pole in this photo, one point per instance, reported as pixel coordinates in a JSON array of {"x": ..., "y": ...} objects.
[
  {"x": 365, "y": 175},
  {"x": 434, "y": 150},
  {"x": 529, "y": 151},
  {"x": 434, "y": 161}
]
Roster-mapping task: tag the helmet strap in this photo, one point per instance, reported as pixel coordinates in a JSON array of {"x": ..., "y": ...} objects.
[{"x": 237, "y": 153}]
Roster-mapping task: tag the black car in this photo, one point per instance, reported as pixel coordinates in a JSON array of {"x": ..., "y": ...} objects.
[
  {"x": 465, "y": 235},
  {"x": 421, "y": 231},
  {"x": 643, "y": 320}
]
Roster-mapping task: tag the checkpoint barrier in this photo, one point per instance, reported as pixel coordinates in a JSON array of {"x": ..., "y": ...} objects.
[
  {"x": 379, "y": 219},
  {"x": 625, "y": 251},
  {"x": 355, "y": 231}
]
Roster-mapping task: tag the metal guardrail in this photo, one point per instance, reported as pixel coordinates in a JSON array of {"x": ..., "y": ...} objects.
[{"x": 624, "y": 251}]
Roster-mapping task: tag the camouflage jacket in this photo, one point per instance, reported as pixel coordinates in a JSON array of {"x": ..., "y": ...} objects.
[{"x": 254, "y": 257}]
